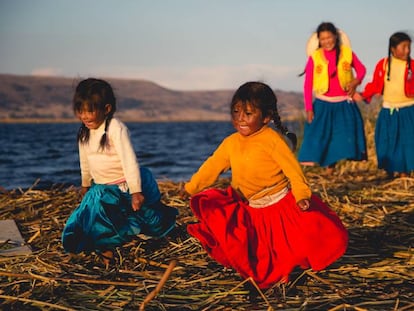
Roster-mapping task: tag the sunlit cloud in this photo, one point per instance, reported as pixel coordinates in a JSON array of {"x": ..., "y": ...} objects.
[{"x": 46, "y": 72}]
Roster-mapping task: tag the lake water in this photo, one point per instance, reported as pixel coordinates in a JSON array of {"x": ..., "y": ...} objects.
[{"x": 49, "y": 153}]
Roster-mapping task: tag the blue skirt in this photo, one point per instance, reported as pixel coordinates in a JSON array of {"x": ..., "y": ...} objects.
[
  {"x": 394, "y": 139},
  {"x": 336, "y": 133},
  {"x": 105, "y": 219}
]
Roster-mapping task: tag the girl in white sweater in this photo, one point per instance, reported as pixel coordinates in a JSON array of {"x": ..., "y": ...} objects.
[{"x": 119, "y": 199}]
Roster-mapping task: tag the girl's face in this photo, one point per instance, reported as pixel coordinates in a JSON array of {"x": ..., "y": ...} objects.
[
  {"x": 92, "y": 119},
  {"x": 247, "y": 119},
  {"x": 402, "y": 50},
  {"x": 327, "y": 40}
]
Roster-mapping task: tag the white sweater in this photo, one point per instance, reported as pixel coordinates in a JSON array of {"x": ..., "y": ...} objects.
[{"x": 115, "y": 163}]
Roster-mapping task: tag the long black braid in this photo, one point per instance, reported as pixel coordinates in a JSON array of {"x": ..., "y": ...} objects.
[
  {"x": 83, "y": 134},
  {"x": 396, "y": 39},
  {"x": 262, "y": 97},
  {"x": 104, "y": 139},
  {"x": 283, "y": 129},
  {"x": 94, "y": 95}
]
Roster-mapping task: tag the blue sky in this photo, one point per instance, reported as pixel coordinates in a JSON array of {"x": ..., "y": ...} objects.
[{"x": 188, "y": 44}]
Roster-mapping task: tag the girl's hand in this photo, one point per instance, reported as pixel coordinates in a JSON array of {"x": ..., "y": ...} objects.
[
  {"x": 304, "y": 204},
  {"x": 137, "y": 199},
  {"x": 309, "y": 116},
  {"x": 184, "y": 195},
  {"x": 357, "y": 97},
  {"x": 83, "y": 191},
  {"x": 351, "y": 87}
]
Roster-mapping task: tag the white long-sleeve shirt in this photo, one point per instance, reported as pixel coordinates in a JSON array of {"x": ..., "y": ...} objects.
[{"x": 116, "y": 163}]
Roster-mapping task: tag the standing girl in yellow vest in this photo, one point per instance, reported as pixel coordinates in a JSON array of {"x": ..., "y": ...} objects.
[{"x": 334, "y": 129}]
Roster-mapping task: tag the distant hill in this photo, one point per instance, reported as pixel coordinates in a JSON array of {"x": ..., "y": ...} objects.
[{"x": 31, "y": 98}]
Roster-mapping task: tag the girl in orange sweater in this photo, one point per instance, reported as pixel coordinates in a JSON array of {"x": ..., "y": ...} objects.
[{"x": 267, "y": 222}]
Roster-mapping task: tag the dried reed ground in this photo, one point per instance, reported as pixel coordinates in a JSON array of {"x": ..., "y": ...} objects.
[{"x": 376, "y": 273}]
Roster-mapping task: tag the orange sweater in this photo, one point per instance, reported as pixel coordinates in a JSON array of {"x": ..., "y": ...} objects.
[{"x": 261, "y": 164}]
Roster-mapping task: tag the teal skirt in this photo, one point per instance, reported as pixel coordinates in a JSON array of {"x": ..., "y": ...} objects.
[
  {"x": 336, "y": 133},
  {"x": 394, "y": 142},
  {"x": 105, "y": 219}
]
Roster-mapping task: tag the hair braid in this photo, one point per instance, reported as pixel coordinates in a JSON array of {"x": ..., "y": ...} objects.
[
  {"x": 83, "y": 134},
  {"x": 389, "y": 63},
  {"x": 338, "y": 52},
  {"x": 104, "y": 139},
  {"x": 283, "y": 129},
  {"x": 278, "y": 122}
]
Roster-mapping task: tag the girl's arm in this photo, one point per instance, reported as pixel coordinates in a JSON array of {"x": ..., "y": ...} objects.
[
  {"x": 123, "y": 146},
  {"x": 360, "y": 71},
  {"x": 359, "y": 67},
  {"x": 292, "y": 170},
  {"x": 308, "y": 86},
  {"x": 375, "y": 87},
  {"x": 210, "y": 170},
  {"x": 84, "y": 167}
]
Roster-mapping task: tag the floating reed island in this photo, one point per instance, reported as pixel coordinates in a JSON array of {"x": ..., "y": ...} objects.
[{"x": 175, "y": 273}]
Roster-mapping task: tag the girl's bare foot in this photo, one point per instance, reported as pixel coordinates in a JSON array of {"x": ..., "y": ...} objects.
[
  {"x": 308, "y": 163},
  {"x": 330, "y": 169}
]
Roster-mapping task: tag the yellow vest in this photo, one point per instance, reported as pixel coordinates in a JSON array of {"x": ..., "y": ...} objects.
[{"x": 320, "y": 70}]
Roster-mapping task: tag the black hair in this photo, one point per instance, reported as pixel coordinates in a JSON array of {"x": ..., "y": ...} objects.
[
  {"x": 261, "y": 96},
  {"x": 396, "y": 39},
  {"x": 94, "y": 95}
]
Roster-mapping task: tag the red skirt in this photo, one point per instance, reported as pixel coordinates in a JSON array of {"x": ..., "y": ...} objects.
[{"x": 267, "y": 243}]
